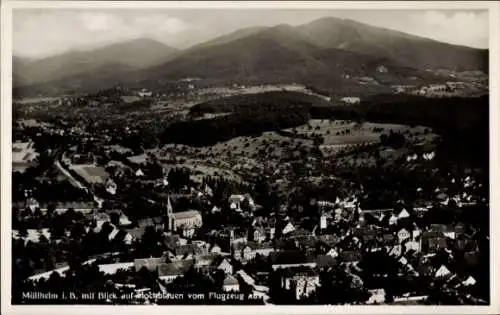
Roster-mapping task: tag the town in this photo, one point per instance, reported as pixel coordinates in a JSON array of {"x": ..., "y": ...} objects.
[
  {"x": 93, "y": 215},
  {"x": 249, "y": 157}
]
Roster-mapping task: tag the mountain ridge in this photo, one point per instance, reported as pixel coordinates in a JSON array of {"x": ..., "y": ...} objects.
[{"x": 321, "y": 52}]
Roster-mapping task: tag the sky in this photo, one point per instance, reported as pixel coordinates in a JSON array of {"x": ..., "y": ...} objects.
[{"x": 39, "y": 33}]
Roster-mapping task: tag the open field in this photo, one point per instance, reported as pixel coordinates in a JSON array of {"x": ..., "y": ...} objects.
[
  {"x": 35, "y": 100},
  {"x": 130, "y": 99},
  {"x": 91, "y": 173},
  {"x": 341, "y": 132}
]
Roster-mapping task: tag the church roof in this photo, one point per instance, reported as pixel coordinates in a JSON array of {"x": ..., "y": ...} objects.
[{"x": 185, "y": 214}]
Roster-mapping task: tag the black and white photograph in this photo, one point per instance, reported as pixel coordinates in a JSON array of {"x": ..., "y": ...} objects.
[{"x": 264, "y": 156}]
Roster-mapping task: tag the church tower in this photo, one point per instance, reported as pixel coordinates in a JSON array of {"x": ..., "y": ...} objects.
[{"x": 170, "y": 212}]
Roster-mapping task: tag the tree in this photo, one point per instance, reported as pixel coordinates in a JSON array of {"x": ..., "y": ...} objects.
[{"x": 23, "y": 232}]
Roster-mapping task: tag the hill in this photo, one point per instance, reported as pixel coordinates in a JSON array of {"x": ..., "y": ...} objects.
[
  {"x": 134, "y": 54},
  {"x": 279, "y": 55},
  {"x": 413, "y": 51},
  {"x": 104, "y": 77}
]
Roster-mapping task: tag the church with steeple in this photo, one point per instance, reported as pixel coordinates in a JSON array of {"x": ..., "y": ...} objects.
[{"x": 184, "y": 222}]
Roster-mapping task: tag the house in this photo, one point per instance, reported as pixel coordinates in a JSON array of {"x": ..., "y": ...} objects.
[
  {"x": 429, "y": 156},
  {"x": 403, "y": 234},
  {"x": 245, "y": 278},
  {"x": 325, "y": 261},
  {"x": 99, "y": 219},
  {"x": 349, "y": 256},
  {"x": 226, "y": 266},
  {"x": 32, "y": 204},
  {"x": 230, "y": 284},
  {"x": 259, "y": 234},
  {"x": 150, "y": 263},
  {"x": 333, "y": 253},
  {"x": 442, "y": 272},
  {"x": 434, "y": 244},
  {"x": 215, "y": 209},
  {"x": 441, "y": 228},
  {"x": 236, "y": 201},
  {"x": 288, "y": 228},
  {"x": 412, "y": 245},
  {"x": 412, "y": 157},
  {"x": 302, "y": 283},
  {"x": 23, "y": 156},
  {"x": 382, "y": 69},
  {"x": 124, "y": 236},
  {"x": 32, "y": 235},
  {"x": 395, "y": 251},
  {"x": 386, "y": 239},
  {"x": 351, "y": 100},
  {"x": 403, "y": 214},
  {"x": 470, "y": 281},
  {"x": 189, "y": 249},
  {"x": 377, "y": 296},
  {"x": 145, "y": 93},
  {"x": 291, "y": 258},
  {"x": 110, "y": 187},
  {"x": 263, "y": 249},
  {"x": 186, "y": 222},
  {"x": 464, "y": 243},
  {"x": 156, "y": 222},
  {"x": 204, "y": 262},
  {"x": 208, "y": 191},
  {"x": 139, "y": 173},
  {"x": 168, "y": 272},
  {"x": 322, "y": 222},
  {"x": 329, "y": 239},
  {"x": 243, "y": 252},
  {"x": 215, "y": 249},
  {"x": 393, "y": 220}
]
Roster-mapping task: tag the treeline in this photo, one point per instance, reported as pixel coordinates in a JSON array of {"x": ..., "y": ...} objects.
[
  {"x": 251, "y": 115},
  {"x": 259, "y": 103},
  {"x": 210, "y": 131},
  {"x": 463, "y": 123}
]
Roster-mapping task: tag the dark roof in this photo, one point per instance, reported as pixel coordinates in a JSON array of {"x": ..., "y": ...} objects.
[
  {"x": 172, "y": 240},
  {"x": 472, "y": 258},
  {"x": 388, "y": 237},
  {"x": 330, "y": 240},
  {"x": 432, "y": 234},
  {"x": 230, "y": 280},
  {"x": 185, "y": 214},
  {"x": 460, "y": 228},
  {"x": 365, "y": 232},
  {"x": 438, "y": 227},
  {"x": 252, "y": 245},
  {"x": 189, "y": 249},
  {"x": 289, "y": 257},
  {"x": 349, "y": 256},
  {"x": 150, "y": 221},
  {"x": 299, "y": 233},
  {"x": 325, "y": 261},
  {"x": 176, "y": 268},
  {"x": 120, "y": 236},
  {"x": 150, "y": 263},
  {"x": 204, "y": 259}
]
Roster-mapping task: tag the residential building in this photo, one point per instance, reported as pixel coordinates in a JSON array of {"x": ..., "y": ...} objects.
[
  {"x": 231, "y": 284},
  {"x": 168, "y": 272}
]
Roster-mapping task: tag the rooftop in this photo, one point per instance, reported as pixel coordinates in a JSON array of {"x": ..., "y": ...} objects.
[
  {"x": 175, "y": 268},
  {"x": 185, "y": 214}
]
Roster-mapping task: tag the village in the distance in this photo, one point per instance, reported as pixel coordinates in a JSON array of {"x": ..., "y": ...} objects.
[{"x": 369, "y": 186}]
